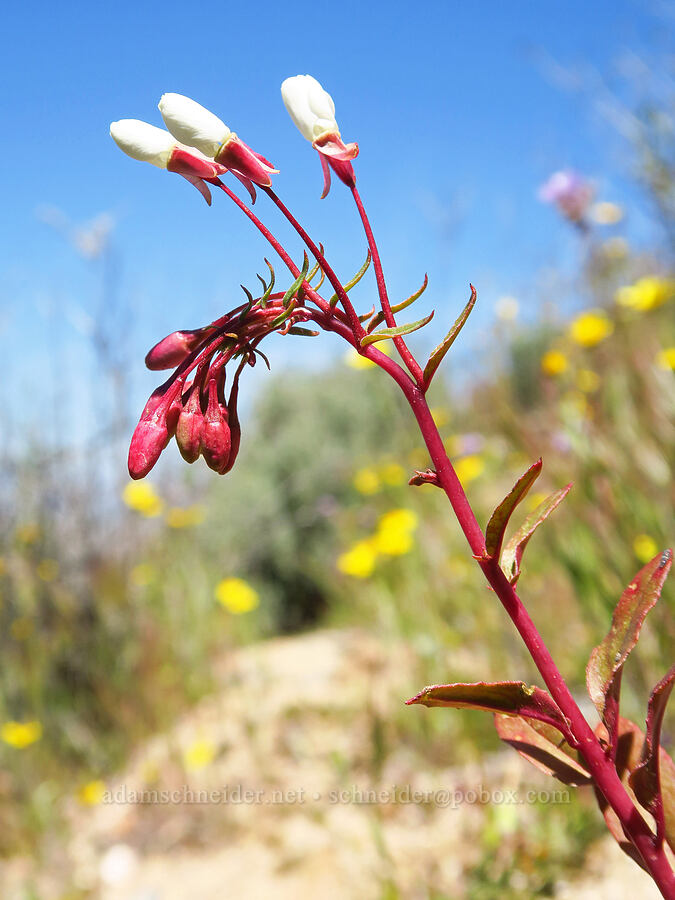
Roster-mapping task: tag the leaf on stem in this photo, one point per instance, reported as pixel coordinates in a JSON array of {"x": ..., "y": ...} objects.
[
  {"x": 541, "y": 745},
  {"x": 304, "y": 332},
  {"x": 607, "y": 659},
  {"x": 494, "y": 533},
  {"x": 297, "y": 284},
  {"x": 437, "y": 356},
  {"x": 513, "y": 552},
  {"x": 268, "y": 287},
  {"x": 387, "y": 333},
  {"x": 353, "y": 281},
  {"x": 653, "y": 779},
  {"x": 514, "y": 698},
  {"x": 426, "y": 477},
  {"x": 379, "y": 317}
]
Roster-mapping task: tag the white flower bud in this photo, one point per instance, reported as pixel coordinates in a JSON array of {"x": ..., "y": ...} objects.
[
  {"x": 192, "y": 124},
  {"x": 143, "y": 141},
  {"x": 311, "y": 108}
]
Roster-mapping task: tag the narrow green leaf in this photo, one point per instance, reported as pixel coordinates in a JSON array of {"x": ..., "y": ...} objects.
[
  {"x": 284, "y": 314},
  {"x": 494, "y": 533},
  {"x": 379, "y": 318},
  {"x": 353, "y": 281},
  {"x": 367, "y": 315},
  {"x": 304, "y": 332},
  {"x": 437, "y": 356},
  {"x": 607, "y": 659},
  {"x": 513, "y": 552},
  {"x": 540, "y": 744},
  {"x": 268, "y": 289},
  {"x": 297, "y": 284},
  {"x": 386, "y": 333},
  {"x": 653, "y": 779},
  {"x": 514, "y": 698},
  {"x": 248, "y": 306}
]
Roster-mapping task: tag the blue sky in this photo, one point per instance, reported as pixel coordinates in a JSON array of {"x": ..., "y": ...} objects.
[{"x": 452, "y": 104}]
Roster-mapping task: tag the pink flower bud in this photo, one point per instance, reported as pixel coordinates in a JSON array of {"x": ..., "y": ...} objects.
[
  {"x": 189, "y": 426},
  {"x": 173, "y": 349},
  {"x": 235, "y": 429},
  {"x": 238, "y": 156},
  {"x": 215, "y": 436},
  {"x": 154, "y": 429}
]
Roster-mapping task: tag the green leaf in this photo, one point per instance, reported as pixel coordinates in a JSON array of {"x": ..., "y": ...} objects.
[
  {"x": 268, "y": 288},
  {"x": 305, "y": 332},
  {"x": 540, "y": 744},
  {"x": 248, "y": 306},
  {"x": 494, "y": 533},
  {"x": 379, "y": 318},
  {"x": 353, "y": 281},
  {"x": 437, "y": 356},
  {"x": 513, "y": 552},
  {"x": 607, "y": 659},
  {"x": 653, "y": 779},
  {"x": 514, "y": 698},
  {"x": 297, "y": 284},
  {"x": 395, "y": 332},
  {"x": 284, "y": 314}
]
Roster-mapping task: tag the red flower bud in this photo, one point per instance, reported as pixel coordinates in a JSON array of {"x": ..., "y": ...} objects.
[
  {"x": 189, "y": 425},
  {"x": 234, "y": 154},
  {"x": 173, "y": 349},
  {"x": 233, "y": 422},
  {"x": 215, "y": 436},
  {"x": 154, "y": 429}
]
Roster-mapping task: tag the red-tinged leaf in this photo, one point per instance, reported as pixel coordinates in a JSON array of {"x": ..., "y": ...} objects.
[
  {"x": 378, "y": 319},
  {"x": 426, "y": 477},
  {"x": 653, "y": 779},
  {"x": 386, "y": 333},
  {"x": 629, "y": 742},
  {"x": 542, "y": 745},
  {"x": 303, "y": 332},
  {"x": 494, "y": 533},
  {"x": 437, "y": 355},
  {"x": 513, "y": 552},
  {"x": 607, "y": 659},
  {"x": 513, "y": 698}
]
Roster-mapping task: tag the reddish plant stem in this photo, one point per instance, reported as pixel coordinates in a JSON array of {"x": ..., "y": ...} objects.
[
  {"x": 399, "y": 343},
  {"x": 357, "y": 328}
]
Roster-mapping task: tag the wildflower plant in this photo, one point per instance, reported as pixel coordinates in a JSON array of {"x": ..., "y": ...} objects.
[{"x": 632, "y": 775}]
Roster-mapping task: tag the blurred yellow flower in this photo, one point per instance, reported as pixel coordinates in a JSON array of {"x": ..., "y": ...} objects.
[
  {"x": 355, "y": 361},
  {"x": 359, "y": 561},
  {"x": 28, "y": 533},
  {"x": 469, "y": 467},
  {"x": 591, "y": 327},
  {"x": 142, "y": 575},
  {"x": 554, "y": 362},
  {"x": 606, "y": 213},
  {"x": 393, "y": 474},
  {"x": 22, "y": 628},
  {"x": 645, "y": 547},
  {"x": 185, "y": 517},
  {"x": 665, "y": 359},
  {"x": 21, "y": 734},
  {"x": 199, "y": 754},
  {"x": 236, "y": 595},
  {"x": 47, "y": 569},
  {"x": 588, "y": 380},
  {"x": 394, "y": 532},
  {"x": 91, "y": 793},
  {"x": 366, "y": 481},
  {"x": 398, "y": 520},
  {"x": 143, "y": 498},
  {"x": 646, "y": 293}
]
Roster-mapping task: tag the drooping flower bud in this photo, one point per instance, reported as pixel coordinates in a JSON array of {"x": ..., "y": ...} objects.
[
  {"x": 233, "y": 422},
  {"x": 215, "y": 435},
  {"x": 173, "y": 349},
  {"x": 190, "y": 423},
  {"x": 191, "y": 123},
  {"x": 313, "y": 112},
  {"x": 154, "y": 429}
]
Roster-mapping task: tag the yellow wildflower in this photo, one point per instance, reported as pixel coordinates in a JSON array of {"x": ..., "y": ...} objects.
[
  {"x": 554, "y": 362},
  {"x": 355, "y": 361},
  {"x": 588, "y": 380},
  {"x": 367, "y": 481},
  {"x": 591, "y": 327},
  {"x": 185, "y": 517},
  {"x": 645, "y": 547},
  {"x": 91, "y": 793},
  {"x": 398, "y": 520},
  {"x": 21, "y": 734},
  {"x": 665, "y": 359},
  {"x": 394, "y": 532},
  {"x": 393, "y": 474},
  {"x": 143, "y": 498},
  {"x": 359, "y": 561},
  {"x": 199, "y": 754},
  {"x": 646, "y": 293},
  {"x": 142, "y": 575},
  {"x": 469, "y": 467},
  {"x": 236, "y": 596},
  {"x": 606, "y": 213},
  {"x": 47, "y": 569}
]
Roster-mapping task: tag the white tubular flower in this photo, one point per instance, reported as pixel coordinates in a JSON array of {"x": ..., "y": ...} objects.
[
  {"x": 311, "y": 108},
  {"x": 143, "y": 141},
  {"x": 192, "y": 124}
]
